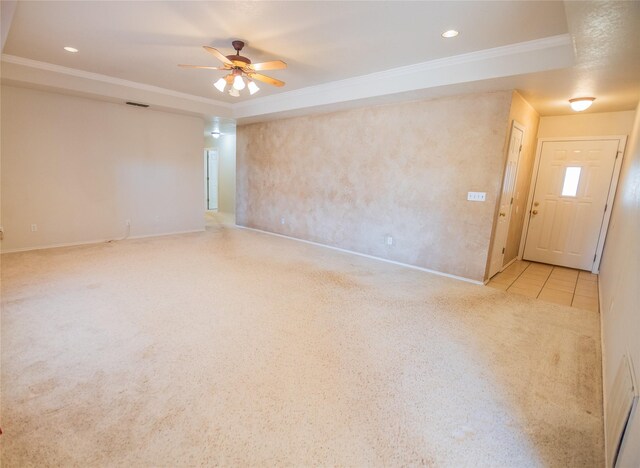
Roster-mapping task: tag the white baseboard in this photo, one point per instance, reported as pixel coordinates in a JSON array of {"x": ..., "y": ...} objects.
[
  {"x": 504, "y": 267},
  {"x": 406, "y": 265},
  {"x": 97, "y": 241},
  {"x": 100, "y": 241}
]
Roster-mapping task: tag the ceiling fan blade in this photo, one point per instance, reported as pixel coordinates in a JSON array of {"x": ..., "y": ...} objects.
[
  {"x": 265, "y": 79},
  {"x": 217, "y": 54},
  {"x": 202, "y": 66},
  {"x": 274, "y": 65}
]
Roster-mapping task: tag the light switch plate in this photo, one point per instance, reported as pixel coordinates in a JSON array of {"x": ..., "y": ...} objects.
[{"x": 476, "y": 196}]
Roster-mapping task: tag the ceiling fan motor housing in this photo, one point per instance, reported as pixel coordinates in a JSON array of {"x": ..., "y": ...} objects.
[{"x": 238, "y": 60}]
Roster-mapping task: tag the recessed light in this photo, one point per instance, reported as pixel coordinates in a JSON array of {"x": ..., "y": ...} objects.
[
  {"x": 71, "y": 49},
  {"x": 580, "y": 104},
  {"x": 450, "y": 33}
]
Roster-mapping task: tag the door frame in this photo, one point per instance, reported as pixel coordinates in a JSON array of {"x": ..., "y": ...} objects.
[
  {"x": 622, "y": 143},
  {"x": 523, "y": 129}
]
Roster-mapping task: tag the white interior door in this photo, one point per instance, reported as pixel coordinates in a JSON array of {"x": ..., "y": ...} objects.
[
  {"x": 569, "y": 202},
  {"x": 506, "y": 199},
  {"x": 212, "y": 180}
]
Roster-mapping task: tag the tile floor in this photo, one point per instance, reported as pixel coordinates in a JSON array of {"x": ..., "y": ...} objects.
[{"x": 550, "y": 283}]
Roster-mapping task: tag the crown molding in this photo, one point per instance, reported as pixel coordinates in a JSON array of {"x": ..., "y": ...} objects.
[
  {"x": 499, "y": 62},
  {"x": 525, "y": 57},
  {"x": 109, "y": 80}
]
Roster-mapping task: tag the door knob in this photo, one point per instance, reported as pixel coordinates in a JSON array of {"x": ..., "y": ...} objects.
[
  {"x": 536, "y": 203},
  {"x": 534, "y": 212}
]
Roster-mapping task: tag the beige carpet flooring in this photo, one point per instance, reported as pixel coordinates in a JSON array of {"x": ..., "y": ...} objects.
[{"x": 236, "y": 348}]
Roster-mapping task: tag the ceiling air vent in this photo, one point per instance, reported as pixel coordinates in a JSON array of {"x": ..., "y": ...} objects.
[{"x": 137, "y": 104}]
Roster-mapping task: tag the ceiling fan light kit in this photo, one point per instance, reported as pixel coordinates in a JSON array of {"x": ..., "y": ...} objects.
[
  {"x": 238, "y": 83},
  {"x": 241, "y": 68},
  {"x": 220, "y": 85},
  {"x": 253, "y": 87}
]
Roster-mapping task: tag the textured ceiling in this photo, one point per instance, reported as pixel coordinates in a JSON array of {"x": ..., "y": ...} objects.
[{"x": 606, "y": 37}]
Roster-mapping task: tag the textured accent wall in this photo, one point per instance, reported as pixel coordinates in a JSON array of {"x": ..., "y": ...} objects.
[{"x": 349, "y": 179}]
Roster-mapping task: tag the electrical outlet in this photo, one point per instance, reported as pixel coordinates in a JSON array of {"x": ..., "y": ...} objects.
[
  {"x": 34, "y": 227},
  {"x": 476, "y": 196},
  {"x": 388, "y": 240},
  {"x": 282, "y": 220}
]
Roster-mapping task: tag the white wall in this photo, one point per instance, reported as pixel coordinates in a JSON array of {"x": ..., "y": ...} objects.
[
  {"x": 574, "y": 125},
  {"x": 620, "y": 283},
  {"x": 80, "y": 168},
  {"x": 226, "y": 146}
]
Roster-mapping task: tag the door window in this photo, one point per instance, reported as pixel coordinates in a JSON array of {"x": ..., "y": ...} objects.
[{"x": 571, "y": 180}]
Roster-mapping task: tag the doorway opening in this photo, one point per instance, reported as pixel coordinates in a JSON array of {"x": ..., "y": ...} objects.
[{"x": 211, "y": 162}]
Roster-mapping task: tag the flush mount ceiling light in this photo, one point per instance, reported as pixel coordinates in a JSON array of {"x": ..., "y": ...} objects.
[
  {"x": 241, "y": 69},
  {"x": 580, "y": 104},
  {"x": 450, "y": 33},
  {"x": 73, "y": 50},
  {"x": 215, "y": 134}
]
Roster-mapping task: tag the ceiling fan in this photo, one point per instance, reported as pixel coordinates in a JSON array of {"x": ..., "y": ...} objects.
[{"x": 240, "y": 68}]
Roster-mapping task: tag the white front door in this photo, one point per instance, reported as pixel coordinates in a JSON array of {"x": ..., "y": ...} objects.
[
  {"x": 506, "y": 200},
  {"x": 212, "y": 180},
  {"x": 569, "y": 201}
]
